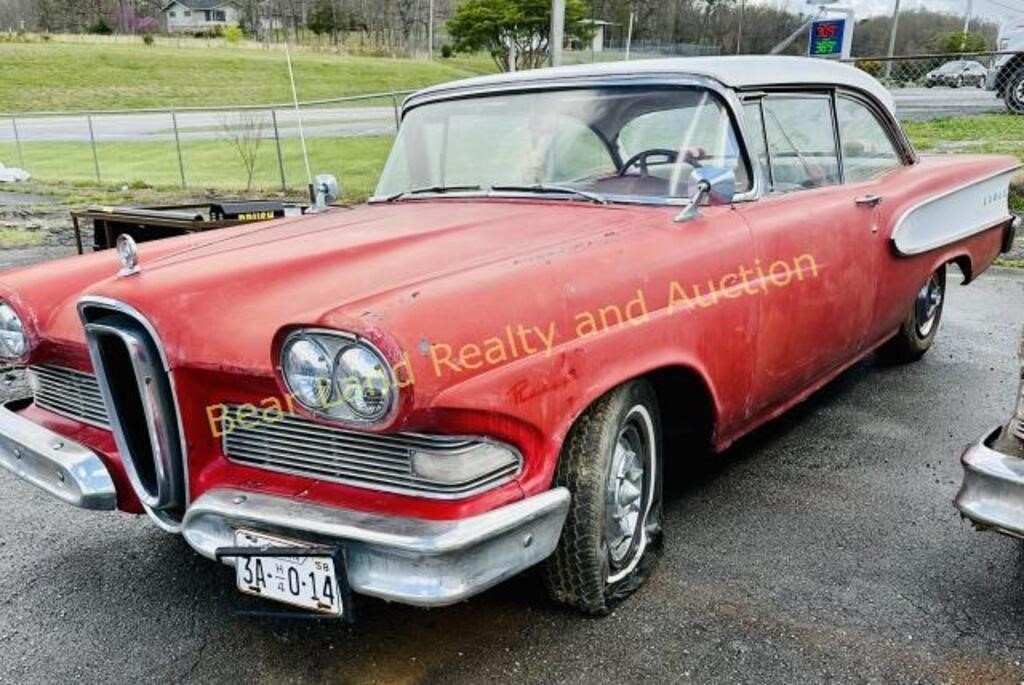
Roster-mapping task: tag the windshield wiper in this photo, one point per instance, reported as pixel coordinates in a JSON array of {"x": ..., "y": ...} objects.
[
  {"x": 544, "y": 188},
  {"x": 437, "y": 189}
]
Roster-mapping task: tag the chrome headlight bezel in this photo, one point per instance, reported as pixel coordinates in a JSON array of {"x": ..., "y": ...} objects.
[
  {"x": 12, "y": 323},
  {"x": 339, "y": 406}
]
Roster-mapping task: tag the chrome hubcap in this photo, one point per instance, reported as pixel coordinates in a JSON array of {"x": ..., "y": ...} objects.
[
  {"x": 926, "y": 310},
  {"x": 628, "y": 494}
]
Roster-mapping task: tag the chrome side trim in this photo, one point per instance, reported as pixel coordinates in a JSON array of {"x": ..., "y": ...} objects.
[
  {"x": 946, "y": 218},
  {"x": 415, "y": 561},
  {"x": 65, "y": 469},
  {"x": 992, "y": 493}
]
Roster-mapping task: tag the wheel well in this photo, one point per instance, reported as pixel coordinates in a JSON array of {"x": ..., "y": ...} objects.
[
  {"x": 687, "y": 410},
  {"x": 963, "y": 262}
]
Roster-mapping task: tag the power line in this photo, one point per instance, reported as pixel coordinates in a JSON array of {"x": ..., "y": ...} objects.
[{"x": 1015, "y": 10}]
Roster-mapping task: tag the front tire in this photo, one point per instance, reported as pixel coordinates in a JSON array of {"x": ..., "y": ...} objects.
[
  {"x": 917, "y": 334},
  {"x": 611, "y": 463}
]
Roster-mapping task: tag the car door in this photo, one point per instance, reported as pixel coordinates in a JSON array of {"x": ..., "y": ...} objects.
[{"x": 815, "y": 243}]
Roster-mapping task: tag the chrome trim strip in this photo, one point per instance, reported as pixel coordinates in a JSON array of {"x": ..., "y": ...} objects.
[
  {"x": 67, "y": 470},
  {"x": 414, "y": 561},
  {"x": 911, "y": 250},
  {"x": 992, "y": 493},
  {"x": 87, "y": 301}
]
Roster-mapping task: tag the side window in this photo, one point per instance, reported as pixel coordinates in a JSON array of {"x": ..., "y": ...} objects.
[
  {"x": 707, "y": 135},
  {"x": 801, "y": 142},
  {"x": 755, "y": 129},
  {"x": 867, "y": 149}
]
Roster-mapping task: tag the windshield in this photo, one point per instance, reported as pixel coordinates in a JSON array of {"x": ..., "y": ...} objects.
[{"x": 618, "y": 143}]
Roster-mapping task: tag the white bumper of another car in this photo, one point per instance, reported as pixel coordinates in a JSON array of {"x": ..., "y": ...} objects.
[{"x": 992, "y": 494}]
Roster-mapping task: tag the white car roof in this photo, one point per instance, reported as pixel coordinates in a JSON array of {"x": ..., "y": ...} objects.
[{"x": 739, "y": 71}]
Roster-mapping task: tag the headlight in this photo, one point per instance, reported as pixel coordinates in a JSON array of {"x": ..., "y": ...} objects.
[
  {"x": 307, "y": 372},
  {"x": 363, "y": 382},
  {"x": 13, "y": 341},
  {"x": 338, "y": 376}
]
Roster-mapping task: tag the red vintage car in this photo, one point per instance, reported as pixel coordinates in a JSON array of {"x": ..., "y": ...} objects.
[{"x": 566, "y": 278}]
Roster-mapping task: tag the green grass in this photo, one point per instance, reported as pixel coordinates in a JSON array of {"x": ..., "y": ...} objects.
[
  {"x": 988, "y": 133},
  {"x": 15, "y": 237},
  {"x": 53, "y": 76},
  {"x": 357, "y": 162}
]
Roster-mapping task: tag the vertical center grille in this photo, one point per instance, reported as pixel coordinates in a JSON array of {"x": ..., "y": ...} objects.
[{"x": 136, "y": 390}]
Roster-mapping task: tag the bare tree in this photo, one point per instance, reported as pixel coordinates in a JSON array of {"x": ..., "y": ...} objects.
[{"x": 244, "y": 133}]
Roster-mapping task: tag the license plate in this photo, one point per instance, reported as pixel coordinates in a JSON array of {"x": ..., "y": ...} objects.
[{"x": 309, "y": 582}]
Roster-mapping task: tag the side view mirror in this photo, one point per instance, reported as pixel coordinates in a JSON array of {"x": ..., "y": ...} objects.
[
  {"x": 325, "y": 191},
  {"x": 716, "y": 185}
]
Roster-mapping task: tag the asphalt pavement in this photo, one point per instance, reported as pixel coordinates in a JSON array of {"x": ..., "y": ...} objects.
[
  {"x": 822, "y": 548},
  {"x": 929, "y": 103}
]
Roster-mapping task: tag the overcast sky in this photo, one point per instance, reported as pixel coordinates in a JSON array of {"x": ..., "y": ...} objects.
[{"x": 995, "y": 10}]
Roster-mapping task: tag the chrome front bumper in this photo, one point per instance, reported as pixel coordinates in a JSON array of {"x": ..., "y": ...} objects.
[
  {"x": 992, "y": 494},
  {"x": 413, "y": 561},
  {"x": 61, "y": 467}
]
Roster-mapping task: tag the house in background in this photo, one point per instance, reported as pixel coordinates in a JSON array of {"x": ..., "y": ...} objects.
[{"x": 200, "y": 15}]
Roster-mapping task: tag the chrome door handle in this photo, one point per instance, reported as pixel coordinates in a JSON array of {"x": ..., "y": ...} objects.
[{"x": 869, "y": 200}]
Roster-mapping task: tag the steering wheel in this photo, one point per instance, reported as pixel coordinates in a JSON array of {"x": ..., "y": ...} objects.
[{"x": 640, "y": 159}]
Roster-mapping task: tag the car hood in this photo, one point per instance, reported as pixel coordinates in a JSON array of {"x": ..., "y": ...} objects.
[{"x": 218, "y": 299}]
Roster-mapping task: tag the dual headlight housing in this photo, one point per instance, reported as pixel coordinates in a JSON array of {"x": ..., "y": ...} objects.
[
  {"x": 13, "y": 338},
  {"x": 338, "y": 376}
]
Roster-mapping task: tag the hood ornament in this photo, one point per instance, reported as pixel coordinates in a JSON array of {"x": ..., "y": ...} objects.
[{"x": 128, "y": 253}]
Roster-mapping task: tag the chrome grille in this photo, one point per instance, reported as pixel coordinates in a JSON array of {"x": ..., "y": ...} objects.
[
  {"x": 302, "y": 447},
  {"x": 70, "y": 393},
  {"x": 133, "y": 377}
]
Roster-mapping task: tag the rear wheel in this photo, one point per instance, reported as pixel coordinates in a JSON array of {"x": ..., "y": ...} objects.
[
  {"x": 917, "y": 334},
  {"x": 611, "y": 463}
]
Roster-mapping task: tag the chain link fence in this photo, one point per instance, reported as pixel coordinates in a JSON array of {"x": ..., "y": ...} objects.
[
  {"x": 236, "y": 148},
  {"x": 947, "y": 103},
  {"x": 957, "y": 102}
]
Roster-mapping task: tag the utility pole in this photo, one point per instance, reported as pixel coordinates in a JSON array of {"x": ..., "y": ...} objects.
[
  {"x": 739, "y": 30},
  {"x": 629, "y": 34},
  {"x": 892, "y": 37},
  {"x": 967, "y": 24},
  {"x": 557, "y": 31},
  {"x": 430, "y": 31}
]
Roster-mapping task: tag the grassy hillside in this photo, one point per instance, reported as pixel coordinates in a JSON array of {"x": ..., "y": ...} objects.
[{"x": 51, "y": 76}]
